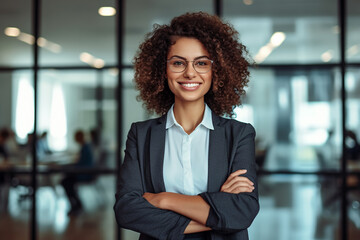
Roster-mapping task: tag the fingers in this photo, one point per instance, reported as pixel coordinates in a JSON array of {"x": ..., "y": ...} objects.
[
  {"x": 234, "y": 177},
  {"x": 236, "y": 183},
  {"x": 238, "y": 172},
  {"x": 239, "y": 187},
  {"x": 234, "y": 174},
  {"x": 241, "y": 184},
  {"x": 235, "y": 180}
]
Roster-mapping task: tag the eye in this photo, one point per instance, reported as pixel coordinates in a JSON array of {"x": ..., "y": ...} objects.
[
  {"x": 203, "y": 63},
  {"x": 178, "y": 63}
]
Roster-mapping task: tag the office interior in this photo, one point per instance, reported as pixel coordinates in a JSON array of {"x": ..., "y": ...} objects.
[{"x": 302, "y": 99}]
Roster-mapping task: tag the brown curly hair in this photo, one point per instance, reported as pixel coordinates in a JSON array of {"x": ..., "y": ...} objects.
[{"x": 230, "y": 67}]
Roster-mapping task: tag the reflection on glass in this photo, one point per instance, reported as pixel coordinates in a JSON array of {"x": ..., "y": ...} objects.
[
  {"x": 307, "y": 30},
  {"x": 297, "y": 118},
  {"x": 352, "y": 34},
  {"x": 15, "y": 30},
  {"x": 352, "y": 142},
  {"x": 297, "y": 208},
  {"x": 24, "y": 117},
  {"x": 73, "y": 100},
  {"x": 58, "y": 123},
  {"x": 71, "y": 28}
]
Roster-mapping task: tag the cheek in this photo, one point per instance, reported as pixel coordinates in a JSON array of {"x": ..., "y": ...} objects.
[{"x": 209, "y": 79}]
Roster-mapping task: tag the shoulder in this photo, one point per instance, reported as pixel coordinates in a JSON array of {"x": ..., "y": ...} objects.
[
  {"x": 147, "y": 124},
  {"x": 234, "y": 127}
]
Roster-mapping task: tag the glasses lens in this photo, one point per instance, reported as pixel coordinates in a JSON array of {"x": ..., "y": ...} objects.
[
  {"x": 202, "y": 65},
  {"x": 177, "y": 65}
]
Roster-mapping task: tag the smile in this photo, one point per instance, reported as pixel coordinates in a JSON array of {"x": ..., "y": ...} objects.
[{"x": 190, "y": 85}]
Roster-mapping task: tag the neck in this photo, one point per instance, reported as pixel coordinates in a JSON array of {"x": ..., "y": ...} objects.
[{"x": 189, "y": 115}]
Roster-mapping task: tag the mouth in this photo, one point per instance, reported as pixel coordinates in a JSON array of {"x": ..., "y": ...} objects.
[{"x": 189, "y": 86}]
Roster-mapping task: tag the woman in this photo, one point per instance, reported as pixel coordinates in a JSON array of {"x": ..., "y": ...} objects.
[{"x": 189, "y": 174}]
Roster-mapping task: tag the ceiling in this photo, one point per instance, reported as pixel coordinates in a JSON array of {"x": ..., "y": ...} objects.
[{"x": 310, "y": 27}]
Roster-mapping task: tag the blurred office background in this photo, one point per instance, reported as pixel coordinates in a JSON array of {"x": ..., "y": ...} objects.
[{"x": 80, "y": 77}]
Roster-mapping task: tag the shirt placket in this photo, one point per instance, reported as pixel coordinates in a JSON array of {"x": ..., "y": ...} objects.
[{"x": 188, "y": 178}]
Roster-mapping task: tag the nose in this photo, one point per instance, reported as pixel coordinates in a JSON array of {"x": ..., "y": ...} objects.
[{"x": 189, "y": 71}]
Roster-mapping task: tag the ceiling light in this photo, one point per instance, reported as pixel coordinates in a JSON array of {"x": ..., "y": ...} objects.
[
  {"x": 86, "y": 57},
  {"x": 99, "y": 63},
  {"x": 107, "y": 11},
  {"x": 54, "y": 47},
  {"x": 27, "y": 38},
  {"x": 335, "y": 29},
  {"x": 327, "y": 56},
  {"x": 41, "y": 42},
  {"x": 248, "y": 2},
  {"x": 12, "y": 31},
  {"x": 263, "y": 53},
  {"x": 113, "y": 71},
  {"x": 353, "y": 50},
  {"x": 277, "y": 39}
]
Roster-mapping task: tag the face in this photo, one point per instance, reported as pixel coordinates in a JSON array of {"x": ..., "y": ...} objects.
[{"x": 189, "y": 85}]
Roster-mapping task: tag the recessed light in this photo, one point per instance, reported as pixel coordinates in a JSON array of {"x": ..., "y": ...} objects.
[
  {"x": 107, "y": 11},
  {"x": 248, "y": 2},
  {"x": 277, "y": 38},
  {"x": 26, "y": 38},
  {"x": 12, "y": 31},
  {"x": 86, "y": 57},
  {"x": 99, "y": 63},
  {"x": 327, "y": 56}
]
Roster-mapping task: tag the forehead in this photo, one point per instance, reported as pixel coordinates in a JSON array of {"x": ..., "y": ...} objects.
[{"x": 187, "y": 47}]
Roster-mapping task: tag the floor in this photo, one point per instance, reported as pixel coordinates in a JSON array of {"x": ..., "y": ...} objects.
[{"x": 292, "y": 207}]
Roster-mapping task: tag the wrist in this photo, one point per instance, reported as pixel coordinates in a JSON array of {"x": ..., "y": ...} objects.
[{"x": 166, "y": 200}]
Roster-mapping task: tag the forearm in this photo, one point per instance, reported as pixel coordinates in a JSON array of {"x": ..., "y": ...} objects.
[
  {"x": 193, "y": 207},
  {"x": 135, "y": 213},
  {"x": 194, "y": 227}
]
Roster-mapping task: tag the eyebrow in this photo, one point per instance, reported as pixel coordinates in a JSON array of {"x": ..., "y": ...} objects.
[{"x": 177, "y": 56}]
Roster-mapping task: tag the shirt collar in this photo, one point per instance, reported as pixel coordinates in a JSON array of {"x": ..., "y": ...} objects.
[{"x": 206, "y": 122}]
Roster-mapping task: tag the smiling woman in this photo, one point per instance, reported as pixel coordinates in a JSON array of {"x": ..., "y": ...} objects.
[
  {"x": 190, "y": 174},
  {"x": 229, "y": 71}
]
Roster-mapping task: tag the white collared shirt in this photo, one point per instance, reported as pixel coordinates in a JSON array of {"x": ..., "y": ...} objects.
[{"x": 186, "y": 156}]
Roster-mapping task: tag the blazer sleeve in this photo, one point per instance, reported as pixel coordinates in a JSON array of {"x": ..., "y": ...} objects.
[
  {"x": 134, "y": 212},
  {"x": 235, "y": 212}
]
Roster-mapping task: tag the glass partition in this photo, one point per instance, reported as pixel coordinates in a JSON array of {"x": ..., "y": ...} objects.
[
  {"x": 74, "y": 33},
  {"x": 287, "y": 31},
  {"x": 16, "y": 38},
  {"x": 297, "y": 207},
  {"x": 302, "y": 130},
  {"x": 352, "y": 33}
]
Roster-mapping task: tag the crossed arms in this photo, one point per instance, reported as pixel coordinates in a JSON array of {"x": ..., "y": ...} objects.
[
  {"x": 195, "y": 207},
  {"x": 169, "y": 215}
]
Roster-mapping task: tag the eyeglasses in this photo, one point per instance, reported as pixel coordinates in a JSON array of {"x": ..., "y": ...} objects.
[{"x": 178, "y": 65}]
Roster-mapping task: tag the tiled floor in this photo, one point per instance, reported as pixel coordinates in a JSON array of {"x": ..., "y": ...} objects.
[{"x": 292, "y": 207}]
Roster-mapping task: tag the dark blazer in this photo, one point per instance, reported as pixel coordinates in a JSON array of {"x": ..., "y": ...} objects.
[{"x": 231, "y": 147}]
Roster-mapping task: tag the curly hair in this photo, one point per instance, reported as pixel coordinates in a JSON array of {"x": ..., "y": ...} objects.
[{"x": 230, "y": 73}]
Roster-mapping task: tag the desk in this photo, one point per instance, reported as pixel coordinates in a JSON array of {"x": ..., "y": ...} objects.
[
  {"x": 50, "y": 161},
  {"x": 18, "y": 171}
]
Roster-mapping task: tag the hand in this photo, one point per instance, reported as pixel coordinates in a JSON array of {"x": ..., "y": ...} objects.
[
  {"x": 155, "y": 199},
  {"x": 237, "y": 184}
]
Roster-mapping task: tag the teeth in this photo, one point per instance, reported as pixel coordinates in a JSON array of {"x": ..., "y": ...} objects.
[{"x": 190, "y": 84}]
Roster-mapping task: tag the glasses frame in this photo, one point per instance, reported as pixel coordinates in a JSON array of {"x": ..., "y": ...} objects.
[{"x": 187, "y": 64}]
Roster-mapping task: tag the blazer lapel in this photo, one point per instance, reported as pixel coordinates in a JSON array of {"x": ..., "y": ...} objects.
[
  {"x": 218, "y": 167},
  {"x": 157, "y": 148}
]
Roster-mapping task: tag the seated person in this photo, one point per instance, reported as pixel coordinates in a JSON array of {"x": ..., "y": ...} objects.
[
  {"x": 69, "y": 182},
  {"x": 352, "y": 145},
  {"x": 4, "y": 135}
]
